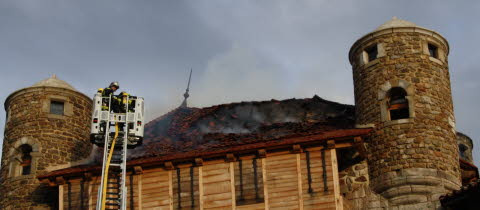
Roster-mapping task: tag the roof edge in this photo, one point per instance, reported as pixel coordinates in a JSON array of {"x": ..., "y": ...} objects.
[
  {"x": 11, "y": 95},
  {"x": 336, "y": 135}
]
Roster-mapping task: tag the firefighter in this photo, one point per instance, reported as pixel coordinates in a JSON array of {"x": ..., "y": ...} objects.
[
  {"x": 124, "y": 98},
  {"x": 108, "y": 92}
]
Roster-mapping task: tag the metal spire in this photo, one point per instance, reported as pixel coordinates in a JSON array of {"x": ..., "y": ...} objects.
[{"x": 186, "y": 95}]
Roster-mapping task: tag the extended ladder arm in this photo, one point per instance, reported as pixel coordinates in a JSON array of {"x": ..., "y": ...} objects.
[{"x": 105, "y": 177}]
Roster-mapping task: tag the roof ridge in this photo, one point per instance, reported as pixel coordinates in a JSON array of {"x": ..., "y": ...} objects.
[{"x": 273, "y": 100}]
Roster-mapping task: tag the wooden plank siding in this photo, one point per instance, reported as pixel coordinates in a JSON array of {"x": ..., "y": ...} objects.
[
  {"x": 282, "y": 182},
  {"x": 156, "y": 189},
  {"x": 94, "y": 183},
  {"x": 318, "y": 198},
  {"x": 91, "y": 192},
  {"x": 217, "y": 192},
  {"x": 132, "y": 191},
  {"x": 75, "y": 194}
]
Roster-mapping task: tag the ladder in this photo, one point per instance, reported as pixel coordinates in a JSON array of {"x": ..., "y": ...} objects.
[
  {"x": 112, "y": 193},
  {"x": 128, "y": 127}
]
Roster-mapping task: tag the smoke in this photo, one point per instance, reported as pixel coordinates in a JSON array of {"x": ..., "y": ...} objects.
[{"x": 249, "y": 117}]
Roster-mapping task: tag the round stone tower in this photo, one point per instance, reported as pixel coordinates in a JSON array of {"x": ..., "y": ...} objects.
[
  {"x": 47, "y": 124},
  {"x": 402, "y": 88}
]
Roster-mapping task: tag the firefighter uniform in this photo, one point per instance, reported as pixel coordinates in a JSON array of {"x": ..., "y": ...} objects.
[{"x": 108, "y": 92}]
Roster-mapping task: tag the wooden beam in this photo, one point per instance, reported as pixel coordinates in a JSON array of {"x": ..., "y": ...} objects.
[
  {"x": 343, "y": 145},
  {"x": 232, "y": 184},
  {"x": 90, "y": 189},
  {"x": 360, "y": 146},
  {"x": 139, "y": 185},
  {"x": 138, "y": 169},
  {"x": 231, "y": 157},
  {"x": 60, "y": 197},
  {"x": 87, "y": 176},
  {"x": 299, "y": 178},
  {"x": 357, "y": 139},
  {"x": 50, "y": 181},
  {"x": 200, "y": 186},
  {"x": 170, "y": 189},
  {"x": 60, "y": 180},
  {"x": 199, "y": 161},
  {"x": 262, "y": 153},
  {"x": 336, "y": 180},
  {"x": 330, "y": 144},
  {"x": 265, "y": 183},
  {"x": 296, "y": 149},
  {"x": 169, "y": 165}
]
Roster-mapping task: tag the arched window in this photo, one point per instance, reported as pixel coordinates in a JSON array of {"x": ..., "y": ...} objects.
[
  {"x": 23, "y": 157},
  {"x": 26, "y": 159},
  {"x": 398, "y": 104},
  {"x": 462, "y": 148}
]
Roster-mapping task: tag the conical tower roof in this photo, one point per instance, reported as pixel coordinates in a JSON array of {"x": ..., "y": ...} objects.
[
  {"x": 397, "y": 23},
  {"x": 54, "y": 82}
]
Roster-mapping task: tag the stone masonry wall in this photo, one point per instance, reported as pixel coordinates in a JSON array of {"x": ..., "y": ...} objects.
[
  {"x": 354, "y": 185},
  {"x": 59, "y": 139},
  {"x": 408, "y": 156}
]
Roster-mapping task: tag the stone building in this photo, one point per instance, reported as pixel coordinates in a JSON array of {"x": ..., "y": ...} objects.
[
  {"x": 47, "y": 125},
  {"x": 397, "y": 148}
]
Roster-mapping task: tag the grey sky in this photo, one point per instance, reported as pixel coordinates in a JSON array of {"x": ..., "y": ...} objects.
[{"x": 239, "y": 50}]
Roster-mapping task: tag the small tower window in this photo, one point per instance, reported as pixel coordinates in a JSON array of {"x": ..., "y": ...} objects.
[
  {"x": 398, "y": 104},
  {"x": 372, "y": 52},
  {"x": 433, "y": 50},
  {"x": 7, "y": 115},
  {"x": 26, "y": 159},
  {"x": 462, "y": 148},
  {"x": 57, "y": 107}
]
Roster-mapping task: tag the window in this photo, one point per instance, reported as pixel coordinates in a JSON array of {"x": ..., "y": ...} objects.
[
  {"x": 372, "y": 53},
  {"x": 248, "y": 181},
  {"x": 57, "y": 107},
  {"x": 398, "y": 104},
  {"x": 462, "y": 148},
  {"x": 26, "y": 159},
  {"x": 433, "y": 50},
  {"x": 7, "y": 115}
]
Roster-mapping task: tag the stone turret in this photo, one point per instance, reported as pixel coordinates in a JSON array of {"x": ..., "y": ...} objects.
[
  {"x": 47, "y": 125},
  {"x": 402, "y": 88}
]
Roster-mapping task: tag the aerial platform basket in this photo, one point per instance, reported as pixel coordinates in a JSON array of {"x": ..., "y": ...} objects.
[{"x": 131, "y": 113}]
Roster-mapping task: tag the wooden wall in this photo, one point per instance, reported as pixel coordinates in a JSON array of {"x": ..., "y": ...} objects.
[
  {"x": 283, "y": 183},
  {"x": 217, "y": 186}
]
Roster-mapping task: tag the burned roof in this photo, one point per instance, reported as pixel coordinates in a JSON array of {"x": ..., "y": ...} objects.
[
  {"x": 185, "y": 129},
  {"x": 199, "y": 132}
]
